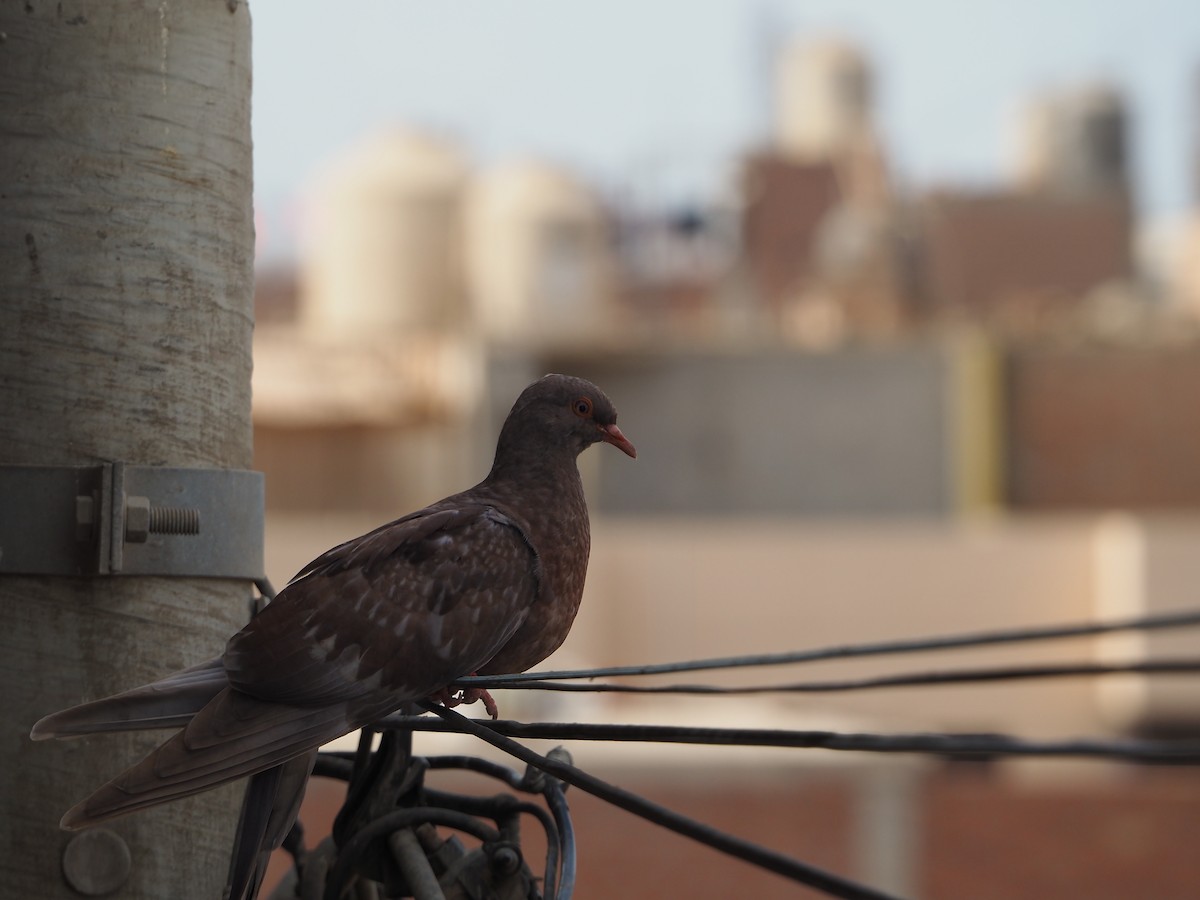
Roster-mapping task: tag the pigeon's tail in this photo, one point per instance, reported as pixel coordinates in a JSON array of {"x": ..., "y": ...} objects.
[
  {"x": 269, "y": 809},
  {"x": 232, "y": 737},
  {"x": 167, "y": 703}
]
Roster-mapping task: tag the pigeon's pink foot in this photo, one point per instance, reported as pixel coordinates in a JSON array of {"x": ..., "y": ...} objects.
[
  {"x": 451, "y": 699},
  {"x": 470, "y": 695}
]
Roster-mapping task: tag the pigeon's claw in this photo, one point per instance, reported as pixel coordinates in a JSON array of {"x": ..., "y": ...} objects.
[
  {"x": 450, "y": 699},
  {"x": 470, "y": 695}
]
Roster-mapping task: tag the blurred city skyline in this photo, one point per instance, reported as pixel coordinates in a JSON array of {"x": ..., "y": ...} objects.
[
  {"x": 896, "y": 360},
  {"x": 662, "y": 100}
]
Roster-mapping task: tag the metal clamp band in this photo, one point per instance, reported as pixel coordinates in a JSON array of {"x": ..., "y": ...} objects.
[{"x": 121, "y": 519}]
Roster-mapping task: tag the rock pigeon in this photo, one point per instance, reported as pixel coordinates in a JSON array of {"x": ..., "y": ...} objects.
[{"x": 486, "y": 581}]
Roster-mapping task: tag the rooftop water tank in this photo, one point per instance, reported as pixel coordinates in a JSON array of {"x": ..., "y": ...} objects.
[
  {"x": 384, "y": 248},
  {"x": 824, "y": 98},
  {"x": 1075, "y": 141},
  {"x": 539, "y": 255}
]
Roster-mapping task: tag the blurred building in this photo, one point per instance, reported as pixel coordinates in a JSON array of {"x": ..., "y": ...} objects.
[
  {"x": 384, "y": 248},
  {"x": 829, "y": 251},
  {"x": 865, "y": 431},
  {"x": 824, "y": 99},
  {"x": 367, "y": 377},
  {"x": 1185, "y": 272},
  {"x": 825, "y": 113},
  {"x": 1023, "y": 257},
  {"x": 679, "y": 279},
  {"x": 1017, "y": 259},
  {"x": 383, "y": 423},
  {"x": 1184, "y": 265},
  {"x": 785, "y": 204},
  {"x": 827, "y": 386},
  {"x": 540, "y": 257},
  {"x": 1075, "y": 142},
  {"x": 276, "y": 296},
  {"x": 821, "y": 232},
  {"x": 818, "y": 269},
  {"x": 1103, "y": 427}
]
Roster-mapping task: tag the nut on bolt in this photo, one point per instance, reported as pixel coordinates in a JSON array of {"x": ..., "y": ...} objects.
[
  {"x": 505, "y": 858},
  {"x": 137, "y": 519}
]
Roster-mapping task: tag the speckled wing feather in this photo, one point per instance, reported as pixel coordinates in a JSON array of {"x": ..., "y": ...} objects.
[
  {"x": 389, "y": 617},
  {"x": 401, "y": 611}
]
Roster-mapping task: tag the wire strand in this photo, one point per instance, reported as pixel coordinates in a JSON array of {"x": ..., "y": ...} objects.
[
  {"x": 1182, "y": 619},
  {"x": 955, "y": 745},
  {"x": 904, "y": 679}
]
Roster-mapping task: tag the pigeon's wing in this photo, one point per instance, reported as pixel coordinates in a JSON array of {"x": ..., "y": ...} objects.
[
  {"x": 401, "y": 611},
  {"x": 392, "y": 616}
]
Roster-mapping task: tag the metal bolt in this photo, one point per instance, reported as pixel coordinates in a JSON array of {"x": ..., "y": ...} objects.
[
  {"x": 505, "y": 859},
  {"x": 143, "y": 520},
  {"x": 96, "y": 862}
]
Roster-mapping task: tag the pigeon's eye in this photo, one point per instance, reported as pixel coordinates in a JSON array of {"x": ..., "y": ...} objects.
[{"x": 582, "y": 407}]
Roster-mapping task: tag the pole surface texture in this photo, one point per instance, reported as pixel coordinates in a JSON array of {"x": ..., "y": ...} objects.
[{"x": 126, "y": 284}]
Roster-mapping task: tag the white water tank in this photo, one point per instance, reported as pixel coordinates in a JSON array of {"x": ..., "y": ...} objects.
[
  {"x": 824, "y": 98},
  {"x": 1075, "y": 141},
  {"x": 384, "y": 239},
  {"x": 540, "y": 258}
]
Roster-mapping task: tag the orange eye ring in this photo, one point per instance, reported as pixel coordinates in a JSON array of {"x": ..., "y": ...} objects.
[{"x": 582, "y": 407}]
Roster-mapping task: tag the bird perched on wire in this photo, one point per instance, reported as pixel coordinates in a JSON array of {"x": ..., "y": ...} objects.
[{"x": 487, "y": 581}]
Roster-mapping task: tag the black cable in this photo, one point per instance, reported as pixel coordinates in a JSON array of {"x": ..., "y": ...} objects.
[
  {"x": 404, "y": 818},
  {"x": 470, "y": 763},
  {"x": 553, "y": 845},
  {"x": 983, "y": 745},
  {"x": 560, "y": 837},
  {"x": 915, "y": 645},
  {"x": 773, "y": 861},
  {"x": 557, "y": 802},
  {"x": 904, "y": 679},
  {"x": 333, "y": 765},
  {"x": 496, "y": 808},
  {"x": 340, "y": 765},
  {"x": 980, "y": 745},
  {"x": 551, "y": 792}
]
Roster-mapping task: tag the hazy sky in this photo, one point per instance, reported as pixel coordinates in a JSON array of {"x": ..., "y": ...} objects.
[{"x": 662, "y": 95}]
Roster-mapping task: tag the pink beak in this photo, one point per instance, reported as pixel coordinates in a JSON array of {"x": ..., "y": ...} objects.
[{"x": 612, "y": 435}]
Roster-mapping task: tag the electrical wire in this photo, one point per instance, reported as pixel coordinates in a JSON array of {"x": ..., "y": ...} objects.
[
  {"x": 905, "y": 679},
  {"x": 958, "y": 746},
  {"x": 1180, "y": 619},
  {"x": 982, "y": 745},
  {"x": 771, "y": 860}
]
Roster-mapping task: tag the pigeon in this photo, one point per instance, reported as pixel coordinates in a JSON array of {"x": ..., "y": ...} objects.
[{"x": 487, "y": 581}]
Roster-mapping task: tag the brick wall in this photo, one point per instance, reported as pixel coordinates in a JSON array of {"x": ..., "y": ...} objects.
[{"x": 1100, "y": 428}]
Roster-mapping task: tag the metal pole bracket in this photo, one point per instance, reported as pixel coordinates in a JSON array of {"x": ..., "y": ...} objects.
[{"x": 121, "y": 519}]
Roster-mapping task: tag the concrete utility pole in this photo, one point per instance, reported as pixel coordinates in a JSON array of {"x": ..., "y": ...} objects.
[{"x": 126, "y": 283}]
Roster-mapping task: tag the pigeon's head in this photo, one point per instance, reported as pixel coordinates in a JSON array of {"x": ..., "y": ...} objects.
[{"x": 563, "y": 411}]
